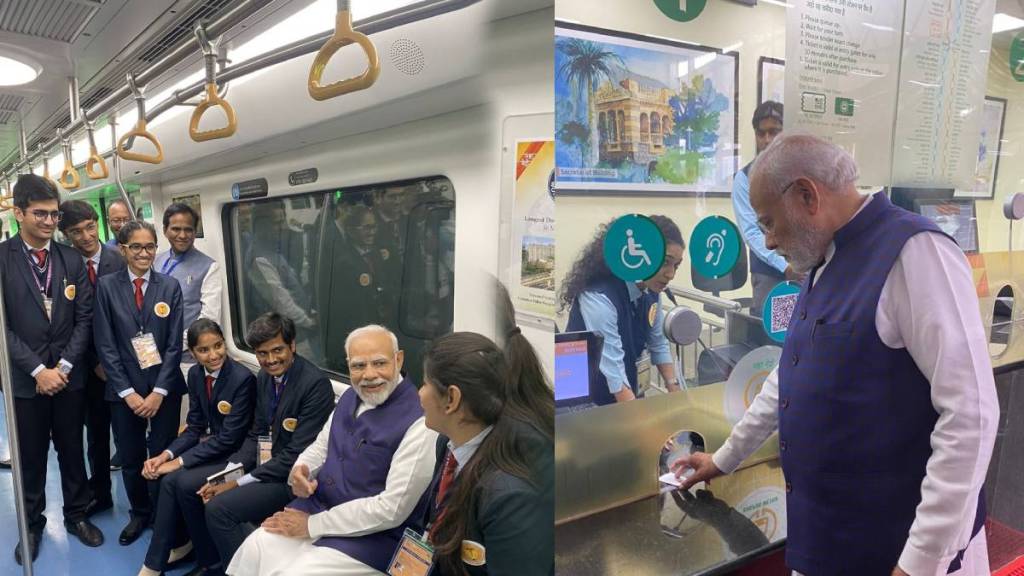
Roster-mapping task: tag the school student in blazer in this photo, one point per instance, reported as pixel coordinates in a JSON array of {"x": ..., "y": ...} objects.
[
  {"x": 139, "y": 306},
  {"x": 491, "y": 506},
  {"x": 294, "y": 398},
  {"x": 222, "y": 397},
  {"x": 80, "y": 224},
  {"x": 49, "y": 314}
]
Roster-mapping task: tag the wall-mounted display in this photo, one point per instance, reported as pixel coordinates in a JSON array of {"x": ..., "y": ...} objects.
[
  {"x": 640, "y": 114},
  {"x": 989, "y": 149},
  {"x": 771, "y": 79}
]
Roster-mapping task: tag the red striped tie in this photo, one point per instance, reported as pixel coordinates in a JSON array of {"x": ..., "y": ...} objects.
[
  {"x": 209, "y": 386},
  {"x": 138, "y": 292},
  {"x": 447, "y": 477},
  {"x": 92, "y": 271}
]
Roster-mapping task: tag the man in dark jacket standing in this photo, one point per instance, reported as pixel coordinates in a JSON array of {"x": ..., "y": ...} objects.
[{"x": 49, "y": 318}]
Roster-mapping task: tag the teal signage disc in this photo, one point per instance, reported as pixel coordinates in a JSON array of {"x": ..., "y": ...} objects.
[
  {"x": 715, "y": 246},
  {"x": 778, "y": 309},
  {"x": 1017, "y": 57},
  {"x": 634, "y": 248},
  {"x": 681, "y": 10}
]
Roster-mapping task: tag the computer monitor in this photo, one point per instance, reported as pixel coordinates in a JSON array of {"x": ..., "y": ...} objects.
[
  {"x": 577, "y": 361},
  {"x": 905, "y": 197},
  {"x": 954, "y": 216}
]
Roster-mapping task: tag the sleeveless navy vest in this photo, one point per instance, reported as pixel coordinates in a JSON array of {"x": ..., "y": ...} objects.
[
  {"x": 758, "y": 266},
  {"x": 359, "y": 457},
  {"x": 855, "y": 416},
  {"x": 634, "y": 323}
]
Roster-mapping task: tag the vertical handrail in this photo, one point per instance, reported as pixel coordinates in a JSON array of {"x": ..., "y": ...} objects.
[
  {"x": 6, "y": 381},
  {"x": 112, "y": 120}
]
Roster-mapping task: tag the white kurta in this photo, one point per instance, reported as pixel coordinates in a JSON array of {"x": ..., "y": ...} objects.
[
  {"x": 929, "y": 306},
  {"x": 412, "y": 468}
]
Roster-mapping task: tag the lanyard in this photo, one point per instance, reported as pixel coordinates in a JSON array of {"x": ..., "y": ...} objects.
[
  {"x": 277, "y": 391},
  {"x": 44, "y": 289},
  {"x": 165, "y": 270}
]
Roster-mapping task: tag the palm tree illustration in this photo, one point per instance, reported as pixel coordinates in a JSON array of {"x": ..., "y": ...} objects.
[{"x": 586, "y": 64}]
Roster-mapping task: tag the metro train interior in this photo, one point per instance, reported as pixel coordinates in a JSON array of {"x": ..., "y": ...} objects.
[{"x": 409, "y": 163}]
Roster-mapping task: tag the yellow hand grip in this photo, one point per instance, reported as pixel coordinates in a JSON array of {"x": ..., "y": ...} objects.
[
  {"x": 69, "y": 177},
  {"x": 343, "y": 36},
  {"x": 140, "y": 132},
  {"x": 212, "y": 99},
  {"x": 5, "y": 203},
  {"x": 94, "y": 160}
]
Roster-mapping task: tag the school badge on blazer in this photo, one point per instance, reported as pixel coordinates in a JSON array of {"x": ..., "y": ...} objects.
[
  {"x": 364, "y": 280},
  {"x": 224, "y": 407},
  {"x": 162, "y": 309},
  {"x": 70, "y": 292},
  {"x": 473, "y": 553},
  {"x": 289, "y": 424}
]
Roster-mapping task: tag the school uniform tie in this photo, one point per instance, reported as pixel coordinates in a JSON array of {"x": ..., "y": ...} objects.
[
  {"x": 92, "y": 271},
  {"x": 138, "y": 292},
  {"x": 40, "y": 257},
  {"x": 209, "y": 387},
  {"x": 447, "y": 477}
]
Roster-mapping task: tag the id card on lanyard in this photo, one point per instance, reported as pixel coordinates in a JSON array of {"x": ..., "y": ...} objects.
[
  {"x": 414, "y": 556},
  {"x": 44, "y": 286},
  {"x": 146, "y": 351},
  {"x": 266, "y": 446},
  {"x": 170, "y": 264}
]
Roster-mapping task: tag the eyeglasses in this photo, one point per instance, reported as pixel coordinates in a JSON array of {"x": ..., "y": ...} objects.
[
  {"x": 766, "y": 227},
  {"x": 79, "y": 231},
  {"x": 138, "y": 248},
  {"x": 42, "y": 215}
]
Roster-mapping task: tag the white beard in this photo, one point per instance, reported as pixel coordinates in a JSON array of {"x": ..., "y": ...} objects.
[{"x": 377, "y": 398}]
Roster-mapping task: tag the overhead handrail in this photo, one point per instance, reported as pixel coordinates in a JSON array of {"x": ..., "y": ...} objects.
[
  {"x": 46, "y": 168},
  {"x": 344, "y": 35},
  {"x": 7, "y": 196},
  {"x": 69, "y": 176},
  {"x": 212, "y": 98},
  {"x": 139, "y": 131},
  {"x": 95, "y": 158}
]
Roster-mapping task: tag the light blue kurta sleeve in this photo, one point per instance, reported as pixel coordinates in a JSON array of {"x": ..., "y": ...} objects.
[{"x": 657, "y": 343}]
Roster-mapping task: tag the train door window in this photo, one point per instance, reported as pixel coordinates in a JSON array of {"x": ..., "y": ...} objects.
[{"x": 335, "y": 260}]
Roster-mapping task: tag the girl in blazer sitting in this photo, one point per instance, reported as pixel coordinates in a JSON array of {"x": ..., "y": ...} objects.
[
  {"x": 222, "y": 397},
  {"x": 137, "y": 329},
  {"x": 491, "y": 508}
]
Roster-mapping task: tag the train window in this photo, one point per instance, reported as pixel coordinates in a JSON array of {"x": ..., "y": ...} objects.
[{"x": 335, "y": 260}]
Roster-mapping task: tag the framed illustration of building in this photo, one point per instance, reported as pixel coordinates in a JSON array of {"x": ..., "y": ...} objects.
[{"x": 637, "y": 114}]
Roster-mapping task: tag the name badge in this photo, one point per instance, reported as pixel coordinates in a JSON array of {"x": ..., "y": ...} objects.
[
  {"x": 643, "y": 372},
  {"x": 414, "y": 556},
  {"x": 146, "y": 351},
  {"x": 266, "y": 445},
  {"x": 48, "y": 307}
]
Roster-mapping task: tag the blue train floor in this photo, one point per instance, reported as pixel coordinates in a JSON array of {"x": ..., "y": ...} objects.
[{"x": 62, "y": 555}]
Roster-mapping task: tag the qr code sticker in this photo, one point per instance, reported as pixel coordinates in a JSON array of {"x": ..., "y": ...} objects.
[{"x": 782, "y": 311}]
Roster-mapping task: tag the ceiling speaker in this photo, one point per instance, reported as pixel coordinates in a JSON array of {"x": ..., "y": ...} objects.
[{"x": 407, "y": 56}]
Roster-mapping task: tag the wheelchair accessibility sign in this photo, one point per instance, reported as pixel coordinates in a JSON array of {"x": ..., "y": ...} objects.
[
  {"x": 634, "y": 248},
  {"x": 714, "y": 246}
]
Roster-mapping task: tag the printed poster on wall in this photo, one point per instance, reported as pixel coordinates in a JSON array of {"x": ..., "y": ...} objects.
[
  {"x": 942, "y": 92},
  {"x": 771, "y": 79},
  {"x": 636, "y": 113},
  {"x": 533, "y": 240},
  {"x": 842, "y": 65},
  {"x": 990, "y": 143}
]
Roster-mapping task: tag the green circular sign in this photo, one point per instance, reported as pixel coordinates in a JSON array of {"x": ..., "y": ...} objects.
[
  {"x": 1017, "y": 57},
  {"x": 778, "y": 309},
  {"x": 714, "y": 246},
  {"x": 634, "y": 248},
  {"x": 681, "y": 10}
]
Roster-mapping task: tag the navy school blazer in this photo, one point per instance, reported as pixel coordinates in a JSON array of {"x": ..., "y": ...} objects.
[
  {"x": 225, "y": 418},
  {"x": 306, "y": 402},
  {"x": 110, "y": 262},
  {"x": 32, "y": 339},
  {"x": 117, "y": 321}
]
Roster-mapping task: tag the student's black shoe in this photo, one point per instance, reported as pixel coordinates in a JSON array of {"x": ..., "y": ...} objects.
[
  {"x": 33, "y": 543},
  {"x": 85, "y": 531},
  {"x": 133, "y": 530}
]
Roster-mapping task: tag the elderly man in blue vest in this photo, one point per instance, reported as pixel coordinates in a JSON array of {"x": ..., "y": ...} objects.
[
  {"x": 884, "y": 396},
  {"x": 197, "y": 273},
  {"x": 360, "y": 484}
]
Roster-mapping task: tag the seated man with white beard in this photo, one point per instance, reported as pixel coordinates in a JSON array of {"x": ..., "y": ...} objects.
[{"x": 372, "y": 464}]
